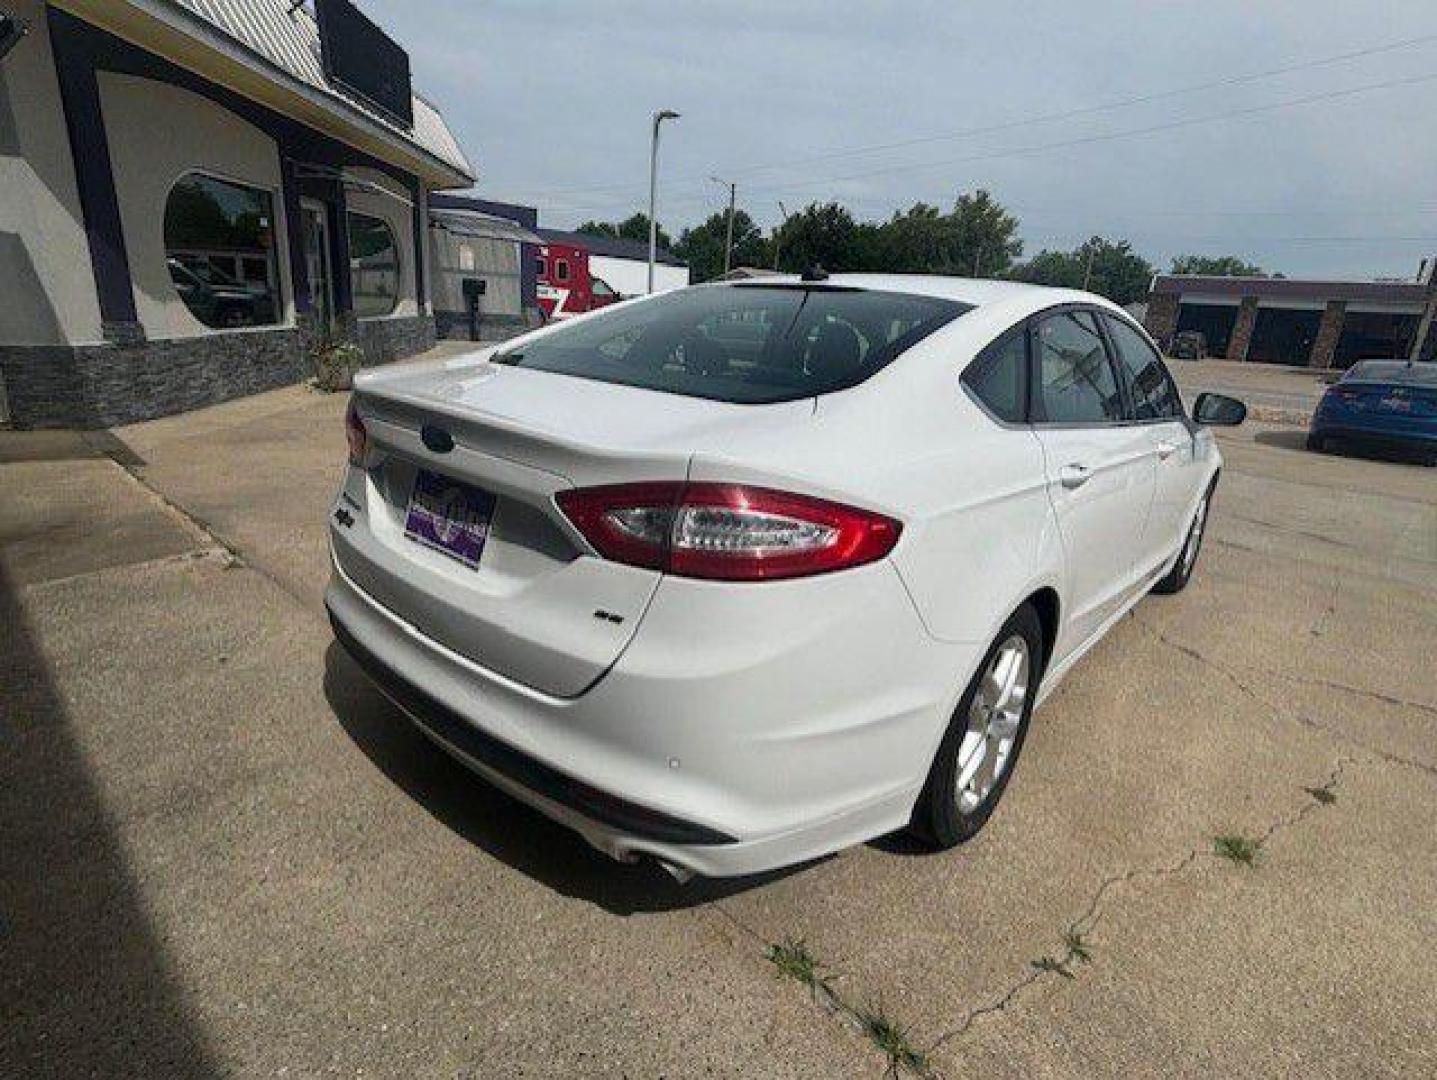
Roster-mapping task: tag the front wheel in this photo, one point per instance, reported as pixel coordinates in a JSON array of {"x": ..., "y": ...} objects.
[
  {"x": 984, "y": 737},
  {"x": 1177, "y": 578}
]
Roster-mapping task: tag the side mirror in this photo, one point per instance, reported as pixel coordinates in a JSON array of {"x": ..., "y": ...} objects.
[{"x": 1219, "y": 410}]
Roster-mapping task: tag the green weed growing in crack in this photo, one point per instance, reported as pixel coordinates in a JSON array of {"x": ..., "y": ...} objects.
[
  {"x": 1235, "y": 847},
  {"x": 892, "y": 1040},
  {"x": 1053, "y": 966},
  {"x": 792, "y": 960},
  {"x": 1325, "y": 795},
  {"x": 1077, "y": 952},
  {"x": 1077, "y": 945}
]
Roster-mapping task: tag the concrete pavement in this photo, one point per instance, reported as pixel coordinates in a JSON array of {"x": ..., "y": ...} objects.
[
  {"x": 1273, "y": 392},
  {"x": 221, "y": 852}
]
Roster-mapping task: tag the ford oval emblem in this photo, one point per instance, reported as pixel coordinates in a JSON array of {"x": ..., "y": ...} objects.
[{"x": 437, "y": 439}]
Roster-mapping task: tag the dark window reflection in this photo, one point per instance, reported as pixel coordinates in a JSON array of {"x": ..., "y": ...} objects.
[{"x": 219, "y": 247}]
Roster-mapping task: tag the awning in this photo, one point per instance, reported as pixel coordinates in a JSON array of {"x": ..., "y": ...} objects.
[{"x": 484, "y": 226}]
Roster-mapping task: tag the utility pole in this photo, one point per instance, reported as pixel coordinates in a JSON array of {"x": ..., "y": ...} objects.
[
  {"x": 659, "y": 118},
  {"x": 1088, "y": 270},
  {"x": 728, "y": 243},
  {"x": 1427, "y": 275},
  {"x": 977, "y": 260},
  {"x": 778, "y": 236}
]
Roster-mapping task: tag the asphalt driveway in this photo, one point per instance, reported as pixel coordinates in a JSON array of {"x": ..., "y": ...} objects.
[{"x": 222, "y": 852}]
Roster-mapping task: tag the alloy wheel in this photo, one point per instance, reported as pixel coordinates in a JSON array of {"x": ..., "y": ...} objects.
[
  {"x": 1195, "y": 538},
  {"x": 994, "y": 718}
]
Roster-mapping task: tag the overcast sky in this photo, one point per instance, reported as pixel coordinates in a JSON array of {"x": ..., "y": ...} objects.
[{"x": 552, "y": 102}]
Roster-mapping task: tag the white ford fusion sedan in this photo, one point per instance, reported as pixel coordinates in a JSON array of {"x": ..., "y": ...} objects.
[{"x": 738, "y": 575}]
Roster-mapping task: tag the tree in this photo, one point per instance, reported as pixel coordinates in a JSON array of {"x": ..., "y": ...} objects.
[
  {"x": 978, "y": 238},
  {"x": 702, "y": 246},
  {"x": 1060, "y": 269},
  {"x": 918, "y": 240},
  {"x": 1215, "y": 266},
  {"x": 823, "y": 235},
  {"x": 634, "y": 227},
  {"x": 1109, "y": 268},
  {"x": 986, "y": 235}
]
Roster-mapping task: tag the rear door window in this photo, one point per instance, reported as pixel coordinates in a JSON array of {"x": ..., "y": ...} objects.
[
  {"x": 1076, "y": 380},
  {"x": 741, "y": 343}
]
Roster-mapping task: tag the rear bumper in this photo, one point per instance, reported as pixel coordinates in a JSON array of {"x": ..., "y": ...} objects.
[
  {"x": 703, "y": 746},
  {"x": 451, "y": 729},
  {"x": 1373, "y": 435}
]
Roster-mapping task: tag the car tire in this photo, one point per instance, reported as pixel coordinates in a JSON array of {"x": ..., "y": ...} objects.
[
  {"x": 991, "y": 721},
  {"x": 1317, "y": 443},
  {"x": 1176, "y": 579}
]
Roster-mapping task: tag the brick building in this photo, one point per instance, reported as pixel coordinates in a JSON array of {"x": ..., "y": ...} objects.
[{"x": 1326, "y": 324}]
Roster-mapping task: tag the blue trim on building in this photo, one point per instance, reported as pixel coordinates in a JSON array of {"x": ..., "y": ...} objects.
[
  {"x": 81, "y": 50},
  {"x": 94, "y": 179}
]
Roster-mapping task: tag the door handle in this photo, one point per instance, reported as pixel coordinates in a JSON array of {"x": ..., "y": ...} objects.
[
  {"x": 1166, "y": 450},
  {"x": 1074, "y": 475}
]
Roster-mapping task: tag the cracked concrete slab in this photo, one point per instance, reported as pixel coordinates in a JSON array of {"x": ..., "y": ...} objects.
[
  {"x": 222, "y": 853},
  {"x": 1308, "y": 965},
  {"x": 223, "y": 849}
]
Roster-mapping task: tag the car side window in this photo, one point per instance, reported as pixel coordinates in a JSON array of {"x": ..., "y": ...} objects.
[
  {"x": 998, "y": 375},
  {"x": 1155, "y": 397},
  {"x": 1076, "y": 380}
]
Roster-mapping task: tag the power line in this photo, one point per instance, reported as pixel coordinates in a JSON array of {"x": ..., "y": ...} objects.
[
  {"x": 1089, "y": 110},
  {"x": 1087, "y": 140},
  {"x": 1068, "y": 114}
]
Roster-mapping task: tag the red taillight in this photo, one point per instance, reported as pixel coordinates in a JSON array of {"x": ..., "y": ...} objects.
[
  {"x": 354, "y": 431},
  {"x": 726, "y": 532}
]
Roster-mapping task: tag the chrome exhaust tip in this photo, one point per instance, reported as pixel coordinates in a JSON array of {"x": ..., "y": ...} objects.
[{"x": 679, "y": 873}]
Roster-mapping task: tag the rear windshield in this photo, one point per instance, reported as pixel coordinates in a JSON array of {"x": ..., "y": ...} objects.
[
  {"x": 741, "y": 343},
  {"x": 1393, "y": 371}
]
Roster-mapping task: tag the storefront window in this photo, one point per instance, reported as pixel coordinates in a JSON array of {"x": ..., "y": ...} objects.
[
  {"x": 373, "y": 266},
  {"x": 219, "y": 246}
]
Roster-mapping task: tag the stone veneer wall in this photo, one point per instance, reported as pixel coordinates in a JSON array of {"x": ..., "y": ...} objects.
[
  {"x": 455, "y": 327},
  {"x": 1161, "y": 319},
  {"x": 1329, "y": 332},
  {"x": 125, "y": 381},
  {"x": 1242, "y": 328}
]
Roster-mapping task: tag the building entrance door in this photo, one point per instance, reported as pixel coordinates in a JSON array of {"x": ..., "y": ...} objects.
[{"x": 315, "y": 223}]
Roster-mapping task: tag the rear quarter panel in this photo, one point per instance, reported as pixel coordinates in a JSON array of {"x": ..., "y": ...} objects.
[{"x": 978, "y": 533}]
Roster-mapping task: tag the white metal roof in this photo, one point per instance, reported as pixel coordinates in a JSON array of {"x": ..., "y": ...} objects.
[{"x": 289, "y": 39}]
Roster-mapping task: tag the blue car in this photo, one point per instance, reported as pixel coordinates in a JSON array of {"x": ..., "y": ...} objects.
[{"x": 1384, "y": 404}]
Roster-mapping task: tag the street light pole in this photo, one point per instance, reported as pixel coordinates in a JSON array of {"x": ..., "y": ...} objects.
[
  {"x": 659, "y": 118},
  {"x": 728, "y": 243}
]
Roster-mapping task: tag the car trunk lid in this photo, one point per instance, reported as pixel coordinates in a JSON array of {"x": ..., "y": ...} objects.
[{"x": 536, "y": 606}]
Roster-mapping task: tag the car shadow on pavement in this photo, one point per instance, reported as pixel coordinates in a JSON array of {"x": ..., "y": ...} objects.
[
  {"x": 1290, "y": 439},
  {"x": 86, "y": 986},
  {"x": 1296, "y": 439},
  {"x": 508, "y": 830}
]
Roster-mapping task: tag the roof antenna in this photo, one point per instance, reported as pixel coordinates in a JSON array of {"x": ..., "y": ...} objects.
[{"x": 815, "y": 272}]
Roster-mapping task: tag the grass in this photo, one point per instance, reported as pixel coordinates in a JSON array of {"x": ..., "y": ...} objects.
[
  {"x": 1053, "y": 965},
  {"x": 892, "y": 1040},
  {"x": 1077, "y": 945},
  {"x": 794, "y": 961},
  {"x": 1235, "y": 847},
  {"x": 1325, "y": 795}
]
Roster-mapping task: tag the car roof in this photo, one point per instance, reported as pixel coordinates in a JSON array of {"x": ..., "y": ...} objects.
[
  {"x": 976, "y": 292},
  {"x": 1392, "y": 371}
]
